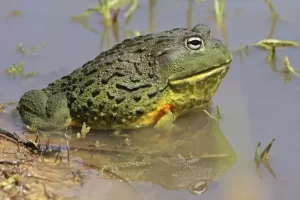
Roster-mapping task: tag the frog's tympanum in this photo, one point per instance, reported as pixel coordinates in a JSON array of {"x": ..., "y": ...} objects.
[{"x": 148, "y": 80}]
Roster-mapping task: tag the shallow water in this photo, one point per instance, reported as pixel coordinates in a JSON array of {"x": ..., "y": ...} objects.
[{"x": 255, "y": 102}]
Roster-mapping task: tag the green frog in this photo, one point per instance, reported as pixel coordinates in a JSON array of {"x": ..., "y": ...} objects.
[{"x": 149, "y": 80}]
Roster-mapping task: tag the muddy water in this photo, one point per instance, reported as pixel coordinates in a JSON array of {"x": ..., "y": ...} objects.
[{"x": 256, "y": 101}]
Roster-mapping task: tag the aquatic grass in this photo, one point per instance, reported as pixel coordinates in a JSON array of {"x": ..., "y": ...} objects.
[
  {"x": 217, "y": 116},
  {"x": 109, "y": 10},
  {"x": 219, "y": 13},
  {"x": 271, "y": 8},
  {"x": 152, "y": 5},
  {"x": 84, "y": 131},
  {"x": 272, "y": 44},
  {"x": 29, "y": 50},
  {"x": 104, "y": 8},
  {"x": 14, "y": 69},
  {"x": 219, "y": 7},
  {"x": 18, "y": 70},
  {"x": 274, "y": 14},
  {"x": 289, "y": 66},
  {"x": 21, "y": 48},
  {"x": 275, "y": 17},
  {"x": 189, "y": 14},
  {"x": 264, "y": 158},
  {"x": 4, "y": 105},
  {"x": 288, "y": 70},
  {"x": 269, "y": 43}
]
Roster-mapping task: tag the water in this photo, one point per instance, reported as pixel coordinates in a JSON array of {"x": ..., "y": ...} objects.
[{"x": 256, "y": 103}]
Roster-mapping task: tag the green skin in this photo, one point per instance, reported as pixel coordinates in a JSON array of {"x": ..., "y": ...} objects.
[{"x": 121, "y": 86}]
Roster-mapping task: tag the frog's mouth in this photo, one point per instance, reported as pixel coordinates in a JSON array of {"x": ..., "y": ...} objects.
[{"x": 201, "y": 75}]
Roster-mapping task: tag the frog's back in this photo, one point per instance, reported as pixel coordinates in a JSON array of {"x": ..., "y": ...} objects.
[{"x": 119, "y": 86}]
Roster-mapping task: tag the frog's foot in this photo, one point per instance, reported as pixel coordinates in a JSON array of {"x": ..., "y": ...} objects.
[
  {"x": 264, "y": 158},
  {"x": 41, "y": 112},
  {"x": 165, "y": 123}
]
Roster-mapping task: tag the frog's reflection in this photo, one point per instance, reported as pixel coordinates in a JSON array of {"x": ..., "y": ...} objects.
[
  {"x": 199, "y": 187},
  {"x": 192, "y": 155}
]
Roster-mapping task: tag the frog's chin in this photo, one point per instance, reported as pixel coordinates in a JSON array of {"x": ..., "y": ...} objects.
[{"x": 203, "y": 75}]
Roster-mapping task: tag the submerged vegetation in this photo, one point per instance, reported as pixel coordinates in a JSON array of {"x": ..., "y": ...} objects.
[{"x": 18, "y": 70}]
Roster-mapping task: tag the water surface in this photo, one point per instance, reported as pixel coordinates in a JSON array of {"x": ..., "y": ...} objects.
[{"x": 255, "y": 102}]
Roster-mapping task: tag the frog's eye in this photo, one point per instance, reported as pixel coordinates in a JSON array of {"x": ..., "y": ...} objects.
[
  {"x": 198, "y": 187},
  {"x": 194, "y": 43}
]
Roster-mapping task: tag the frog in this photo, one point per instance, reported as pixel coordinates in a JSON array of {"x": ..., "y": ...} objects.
[{"x": 146, "y": 81}]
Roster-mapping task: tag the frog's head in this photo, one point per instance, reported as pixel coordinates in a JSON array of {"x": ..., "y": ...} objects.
[
  {"x": 189, "y": 58},
  {"x": 197, "y": 177}
]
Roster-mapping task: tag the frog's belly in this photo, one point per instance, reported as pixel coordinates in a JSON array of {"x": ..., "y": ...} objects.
[{"x": 144, "y": 120}]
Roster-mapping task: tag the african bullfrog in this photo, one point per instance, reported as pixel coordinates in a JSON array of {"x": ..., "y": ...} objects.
[{"x": 149, "y": 80}]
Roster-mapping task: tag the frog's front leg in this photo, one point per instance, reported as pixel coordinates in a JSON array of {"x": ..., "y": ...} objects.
[{"x": 165, "y": 123}]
